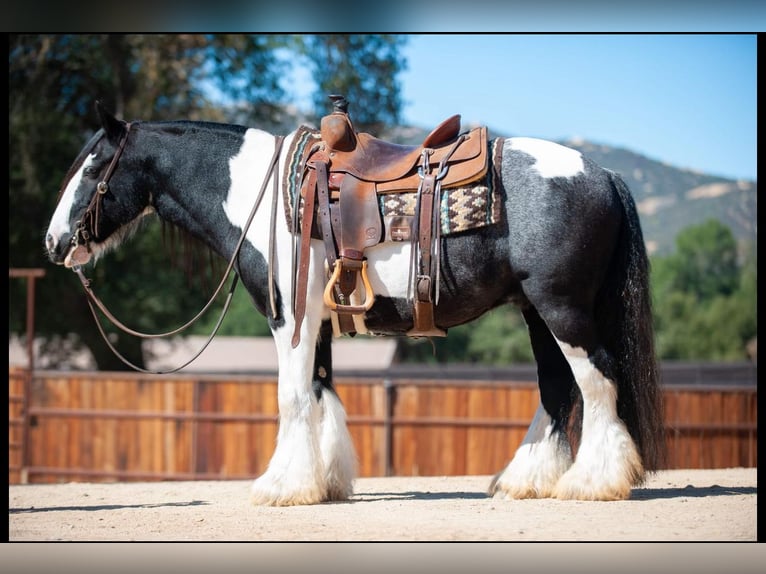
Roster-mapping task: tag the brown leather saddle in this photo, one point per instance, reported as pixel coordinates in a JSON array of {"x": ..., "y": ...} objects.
[{"x": 342, "y": 177}]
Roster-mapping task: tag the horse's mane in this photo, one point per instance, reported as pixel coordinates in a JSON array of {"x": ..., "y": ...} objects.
[
  {"x": 188, "y": 253},
  {"x": 183, "y": 126}
]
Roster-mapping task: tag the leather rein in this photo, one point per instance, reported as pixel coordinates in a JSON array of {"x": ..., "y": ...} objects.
[{"x": 87, "y": 226}]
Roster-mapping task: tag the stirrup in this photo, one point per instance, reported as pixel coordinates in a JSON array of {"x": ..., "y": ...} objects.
[{"x": 369, "y": 296}]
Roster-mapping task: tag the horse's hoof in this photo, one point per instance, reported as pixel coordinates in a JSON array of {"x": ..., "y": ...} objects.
[
  {"x": 339, "y": 493},
  {"x": 533, "y": 472},
  {"x": 579, "y": 484},
  {"x": 571, "y": 490},
  {"x": 265, "y": 492},
  {"x": 506, "y": 486},
  {"x": 514, "y": 492}
]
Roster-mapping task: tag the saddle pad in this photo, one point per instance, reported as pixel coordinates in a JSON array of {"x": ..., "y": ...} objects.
[
  {"x": 305, "y": 137},
  {"x": 462, "y": 208}
]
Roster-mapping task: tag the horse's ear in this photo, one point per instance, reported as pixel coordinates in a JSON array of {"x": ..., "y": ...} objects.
[{"x": 113, "y": 127}]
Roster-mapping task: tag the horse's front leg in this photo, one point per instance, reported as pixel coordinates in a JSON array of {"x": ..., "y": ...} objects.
[
  {"x": 314, "y": 460},
  {"x": 335, "y": 444},
  {"x": 296, "y": 473}
]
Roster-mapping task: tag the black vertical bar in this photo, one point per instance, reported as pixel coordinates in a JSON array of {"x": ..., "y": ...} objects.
[{"x": 388, "y": 431}]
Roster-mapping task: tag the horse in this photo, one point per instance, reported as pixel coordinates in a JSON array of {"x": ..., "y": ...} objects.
[{"x": 567, "y": 250}]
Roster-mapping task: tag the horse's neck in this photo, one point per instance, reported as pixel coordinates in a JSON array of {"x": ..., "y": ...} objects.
[{"x": 215, "y": 184}]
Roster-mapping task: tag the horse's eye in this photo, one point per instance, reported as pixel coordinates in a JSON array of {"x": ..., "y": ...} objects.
[{"x": 90, "y": 171}]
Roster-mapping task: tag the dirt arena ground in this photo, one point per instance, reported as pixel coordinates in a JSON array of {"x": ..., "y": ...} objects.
[{"x": 677, "y": 505}]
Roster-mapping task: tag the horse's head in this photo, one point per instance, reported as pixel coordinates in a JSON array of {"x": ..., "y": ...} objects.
[{"x": 100, "y": 199}]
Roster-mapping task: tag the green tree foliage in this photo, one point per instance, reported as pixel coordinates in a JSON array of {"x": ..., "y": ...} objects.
[
  {"x": 54, "y": 81},
  {"x": 704, "y": 299},
  {"x": 705, "y": 261},
  {"x": 241, "y": 320},
  {"x": 336, "y": 61},
  {"x": 498, "y": 338}
]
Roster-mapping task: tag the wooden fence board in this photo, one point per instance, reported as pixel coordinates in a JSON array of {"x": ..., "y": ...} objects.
[{"x": 117, "y": 426}]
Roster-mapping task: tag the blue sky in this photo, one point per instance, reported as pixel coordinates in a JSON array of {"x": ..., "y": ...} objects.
[{"x": 689, "y": 100}]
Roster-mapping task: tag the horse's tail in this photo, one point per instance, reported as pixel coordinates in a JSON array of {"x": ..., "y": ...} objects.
[{"x": 625, "y": 321}]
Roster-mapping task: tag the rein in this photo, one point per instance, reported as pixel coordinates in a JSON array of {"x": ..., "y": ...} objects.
[{"x": 92, "y": 212}]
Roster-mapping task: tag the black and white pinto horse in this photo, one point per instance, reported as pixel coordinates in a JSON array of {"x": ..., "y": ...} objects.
[{"x": 569, "y": 252}]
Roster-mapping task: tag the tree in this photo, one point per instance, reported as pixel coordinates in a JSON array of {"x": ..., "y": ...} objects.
[
  {"x": 705, "y": 262},
  {"x": 704, "y": 299},
  {"x": 498, "y": 338},
  {"x": 54, "y": 81},
  {"x": 361, "y": 67}
]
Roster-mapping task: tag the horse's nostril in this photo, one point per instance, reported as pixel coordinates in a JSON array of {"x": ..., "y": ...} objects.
[{"x": 54, "y": 246}]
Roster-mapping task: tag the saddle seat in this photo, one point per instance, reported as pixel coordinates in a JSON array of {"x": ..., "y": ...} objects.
[
  {"x": 394, "y": 167},
  {"x": 373, "y": 159}
]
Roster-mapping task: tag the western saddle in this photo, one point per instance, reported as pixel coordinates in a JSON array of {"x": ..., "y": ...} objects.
[{"x": 342, "y": 176}]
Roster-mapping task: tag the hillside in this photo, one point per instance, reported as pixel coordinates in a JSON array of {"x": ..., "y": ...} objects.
[{"x": 668, "y": 198}]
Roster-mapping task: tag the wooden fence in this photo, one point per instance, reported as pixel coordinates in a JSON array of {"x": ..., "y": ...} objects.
[{"x": 77, "y": 426}]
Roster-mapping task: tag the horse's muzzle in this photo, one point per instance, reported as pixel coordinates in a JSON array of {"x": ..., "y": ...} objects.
[
  {"x": 64, "y": 253},
  {"x": 56, "y": 250}
]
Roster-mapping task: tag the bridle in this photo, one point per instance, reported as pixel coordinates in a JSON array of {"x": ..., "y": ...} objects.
[{"x": 87, "y": 226}]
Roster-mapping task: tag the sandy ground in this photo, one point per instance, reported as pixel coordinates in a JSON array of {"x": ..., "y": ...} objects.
[{"x": 677, "y": 505}]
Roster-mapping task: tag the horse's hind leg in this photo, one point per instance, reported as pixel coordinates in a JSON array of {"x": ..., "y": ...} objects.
[
  {"x": 544, "y": 455},
  {"x": 607, "y": 464},
  {"x": 335, "y": 445}
]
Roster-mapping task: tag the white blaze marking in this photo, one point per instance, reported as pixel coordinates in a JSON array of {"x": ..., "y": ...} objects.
[
  {"x": 59, "y": 225},
  {"x": 552, "y": 159}
]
